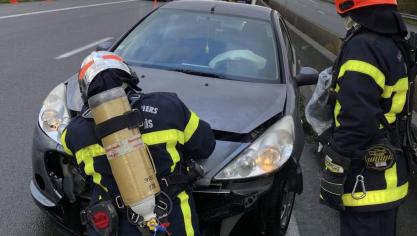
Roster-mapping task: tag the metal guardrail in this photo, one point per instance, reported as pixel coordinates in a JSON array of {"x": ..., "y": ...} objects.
[{"x": 409, "y": 16}]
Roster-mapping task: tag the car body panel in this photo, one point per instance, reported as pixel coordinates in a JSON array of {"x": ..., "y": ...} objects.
[
  {"x": 42, "y": 144},
  {"x": 227, "y": 105},
  {"x": 231, "y": 106}
]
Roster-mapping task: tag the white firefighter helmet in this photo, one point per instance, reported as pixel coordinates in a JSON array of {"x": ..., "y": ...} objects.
[{"x": 95, "y": 63}]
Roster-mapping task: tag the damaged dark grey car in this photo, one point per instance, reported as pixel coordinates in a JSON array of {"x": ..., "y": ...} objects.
[{"x": 234, "y": 66}]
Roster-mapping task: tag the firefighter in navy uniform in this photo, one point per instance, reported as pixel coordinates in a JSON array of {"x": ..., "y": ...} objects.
[
  {"x": 172, "y": 132},
  {"x": 366, "y": 172}
]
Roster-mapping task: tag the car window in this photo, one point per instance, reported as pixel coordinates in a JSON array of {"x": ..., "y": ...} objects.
[{"x": 228, "y": 46}]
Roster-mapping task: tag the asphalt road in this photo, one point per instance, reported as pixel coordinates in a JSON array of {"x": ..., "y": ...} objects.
[
  {"x": 29, "y": 48},
  {"x": 29, "y": 45}
]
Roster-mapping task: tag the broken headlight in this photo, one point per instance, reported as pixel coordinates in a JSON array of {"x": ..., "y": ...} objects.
[
  {"x": 267, "y": 154},
  {"x": 54, "y": 115}
]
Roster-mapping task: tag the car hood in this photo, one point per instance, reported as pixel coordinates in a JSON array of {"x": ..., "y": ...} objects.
[{"x": 227, "y": 105}]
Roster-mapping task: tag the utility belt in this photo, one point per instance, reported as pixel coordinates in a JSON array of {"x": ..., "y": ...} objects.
[
  {"x": 104, "y": 215},
  {"x": 377, "y": 157}
]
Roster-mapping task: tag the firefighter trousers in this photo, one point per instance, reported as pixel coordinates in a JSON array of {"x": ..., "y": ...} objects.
[{"x": 375, "y": 223}]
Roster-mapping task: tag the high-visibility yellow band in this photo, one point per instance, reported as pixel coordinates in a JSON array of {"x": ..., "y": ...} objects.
[
  {"x": 87, "y": 156},
  {"x": 64, "y": 143},
  {"x": 401, "y": 85},
  {"x": 398, "y": 100},
  {"x": 364, "y": 68},
  {"x": 191, "y": 126},
  {"x": 169, "y": 137},
  {"x": 173, "y": 152},
  {"x": 360, "y": 67},
  {"x": 377, "y": 197},
  {"x": 337, "y": 109},
  {"x": 89, "y": 151},
  {"x": 391, "y": 177},
  {"x": 163, "y": 136},
  {"x": 186, "y": 213}
]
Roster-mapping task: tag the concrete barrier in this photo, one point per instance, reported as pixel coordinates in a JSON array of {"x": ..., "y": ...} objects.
[{"x": 327, "y": 39}]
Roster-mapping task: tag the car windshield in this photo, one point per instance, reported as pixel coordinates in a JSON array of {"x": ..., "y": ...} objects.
[{"x": 213, "y": 45}]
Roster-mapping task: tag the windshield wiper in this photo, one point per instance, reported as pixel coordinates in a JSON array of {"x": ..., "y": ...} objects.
[{"x": 199, "y": 73}]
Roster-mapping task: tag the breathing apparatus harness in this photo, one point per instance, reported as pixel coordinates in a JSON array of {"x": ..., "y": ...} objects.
[
  {"x": 355, "y": 30},
  {"x": 408, "y": 48},
  {"x": 103, "y": 215}
]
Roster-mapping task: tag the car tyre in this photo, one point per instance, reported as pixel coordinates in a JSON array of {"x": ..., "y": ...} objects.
[
  {"x": 276, "y": 209},
  {"x": 272, "y": 215}
]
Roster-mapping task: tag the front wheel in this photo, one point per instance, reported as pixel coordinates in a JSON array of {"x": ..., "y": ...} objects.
[
  {"x": 272, "y": 215},
  {"x": 276, "y": 210}
]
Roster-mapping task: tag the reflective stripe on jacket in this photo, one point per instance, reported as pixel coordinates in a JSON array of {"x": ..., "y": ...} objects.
[
  {"x": 171, "y": 131},
  {"x": 372, "y": 82}
]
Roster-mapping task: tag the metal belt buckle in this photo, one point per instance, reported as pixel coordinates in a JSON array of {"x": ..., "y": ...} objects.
[
  {"x": 165, "y": 181},
  {"x": 162, "y": 205},
  {"x": 132, "y": 216},
  {"x": 83, "y": 217},
  {"x": 119, "y": 202},
  {"x": 135, "y": 218}
]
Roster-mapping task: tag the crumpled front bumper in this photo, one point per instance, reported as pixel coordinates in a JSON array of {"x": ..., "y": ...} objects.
[
  {"x": 225, "y": 200},
  {"x": 39, "y": 197},
  {"x": 41, "y": 186}
]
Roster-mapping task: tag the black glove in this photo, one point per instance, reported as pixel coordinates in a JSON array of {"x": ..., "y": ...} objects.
[
  {"x": 68, "y": 180},
  {"x": 73, "y": 184},
  {"x": 333, "y": 179}
]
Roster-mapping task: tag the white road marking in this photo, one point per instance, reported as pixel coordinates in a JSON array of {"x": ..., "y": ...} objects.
[
  {"x": 321, "y": 12},
  {"x": 314, "y": 2},
  {"x": 64, "y": 9},
  {"x": 78, "y": 50}
]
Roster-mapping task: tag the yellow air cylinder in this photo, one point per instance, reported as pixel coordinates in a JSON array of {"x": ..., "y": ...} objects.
[{"x": 129, "y": 159}]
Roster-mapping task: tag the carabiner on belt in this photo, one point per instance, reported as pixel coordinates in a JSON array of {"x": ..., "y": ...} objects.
[{"x": 361, "y": 179}]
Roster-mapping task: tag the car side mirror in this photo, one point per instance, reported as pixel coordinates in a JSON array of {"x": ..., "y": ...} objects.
[
  {"x": 307, "y": 76},
  {"x": 104, "y": 46}
]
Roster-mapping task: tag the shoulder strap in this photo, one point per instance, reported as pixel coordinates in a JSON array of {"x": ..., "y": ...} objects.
[
  {"x": 331, "y": 102},
  {"x": 408, "y": 48},
  {"x": 338, "y": 63}
]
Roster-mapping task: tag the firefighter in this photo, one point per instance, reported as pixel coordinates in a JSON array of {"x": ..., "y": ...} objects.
[
  {"x": 366, "y": 172},
  {"x": 172, "y": 132}
]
